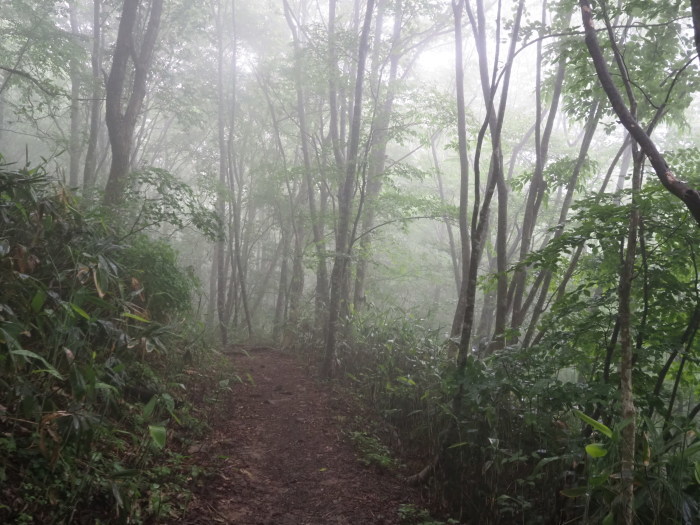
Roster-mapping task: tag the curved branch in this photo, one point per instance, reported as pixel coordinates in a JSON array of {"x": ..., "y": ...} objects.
[
  {"x": 683, "y": 191},
  {"x": 37, "y": 83}
]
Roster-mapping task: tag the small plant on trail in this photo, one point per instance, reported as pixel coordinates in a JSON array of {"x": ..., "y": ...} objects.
[
  {"x": 410, "y": 514},
  {"x": 372, "y": 452}
]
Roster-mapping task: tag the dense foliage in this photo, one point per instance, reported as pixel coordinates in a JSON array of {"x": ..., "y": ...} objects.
[{"x": 95, "y": 363}]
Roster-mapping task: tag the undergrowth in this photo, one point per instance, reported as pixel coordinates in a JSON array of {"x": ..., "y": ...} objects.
[
  {"x": 101, "y": 373},
  {"x": 521, "y": 448}
]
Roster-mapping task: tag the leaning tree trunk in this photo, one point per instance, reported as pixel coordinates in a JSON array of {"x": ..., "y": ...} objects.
[
  {"x": 684, "y": 192},
  {"x": 689, "y": 195}
]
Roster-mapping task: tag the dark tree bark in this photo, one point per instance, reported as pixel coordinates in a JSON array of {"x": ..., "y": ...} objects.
[
  {"x": 695, "y": 8},
  {"x": 121, "y": 119}
]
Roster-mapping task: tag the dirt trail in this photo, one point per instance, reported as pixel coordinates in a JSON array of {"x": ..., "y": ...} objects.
[{"x": 281, "y": 457}]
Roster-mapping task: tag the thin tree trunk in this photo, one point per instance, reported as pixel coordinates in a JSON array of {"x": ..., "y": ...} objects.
[
  {"x": 627, "y": 409},
  {"x": 222, "y": 269},
  {"x": 90, "y": 172},
  {"x": 345, "y": 195},
  {"x": 591, "y": 125},
  {"x": 75, "y": 141},
  {"x": 279, "y": 319},
  {"x": 464, "y": 234},
  {"x": 494, "y": 121},
  {"x": 380, "y": 138},
  {"x": 454, "y": 255},
  {"x": 316, "y": 227},
  {"x": 537, "y": 184}
]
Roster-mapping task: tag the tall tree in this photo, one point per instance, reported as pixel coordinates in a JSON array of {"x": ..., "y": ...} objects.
[
  {"x": 90, "y": 171},
  {"x": 126, "y": 88},
  {"x": 338, "y": 291}
]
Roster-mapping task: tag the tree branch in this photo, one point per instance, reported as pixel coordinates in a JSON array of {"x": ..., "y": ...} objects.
[
  {"x": 19, "y": 73},
  {"x": 680, "y": 189}
]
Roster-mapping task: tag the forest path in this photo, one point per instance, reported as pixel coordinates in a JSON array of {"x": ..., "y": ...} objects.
[{"x": 280, "y": 456}]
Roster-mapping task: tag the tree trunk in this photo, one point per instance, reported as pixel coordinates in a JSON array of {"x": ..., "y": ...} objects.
[
  {"x": 316, "y": 227},
  {"x": 121, "y": 120},
  {"x": 627, "y": 408},
  {"x": 222, "y": 268},
  {"x": 380, "y": 138},
  {"x": 695, "y": 11},
  {"x": 75, "y": 141},
  {"x": 345, "y": 196},
  {"x": 537, "y": 183},
  {"x": 464, "y": 234},
  {"x": 90, "y": 172},
  {"x": 454, "y": 255},
  {"x": 494, "y": 122},
  {"x": 280, "y": 304}
]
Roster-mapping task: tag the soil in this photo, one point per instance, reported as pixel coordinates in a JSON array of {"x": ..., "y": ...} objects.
[{"x": 281, "y": 456}]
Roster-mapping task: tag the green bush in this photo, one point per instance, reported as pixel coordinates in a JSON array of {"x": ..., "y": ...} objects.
[
  {"x": 92, "y": 389},
  {"x": 155, "y": 278}
]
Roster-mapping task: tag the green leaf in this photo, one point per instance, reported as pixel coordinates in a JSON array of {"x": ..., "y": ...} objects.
[
  {"x": 134, "y": 316},
  {"x": 157, "y": 434},
  {"x": 575, "y": 492},
  {"x": 80, "y": 311},
  {"x": 595, "y": 424},
  {"x": 38, "y": 301},
  {"x": 543, "y": 462},
  {"x": 596, "y": 450},
  {"x": 31, "y": 355},
  {"x": 148, "y": 408}
]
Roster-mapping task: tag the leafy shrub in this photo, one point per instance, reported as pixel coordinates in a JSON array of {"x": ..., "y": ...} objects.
[
  {"x": 91, "y": 388},
  {"x": 156, "y": 279}
]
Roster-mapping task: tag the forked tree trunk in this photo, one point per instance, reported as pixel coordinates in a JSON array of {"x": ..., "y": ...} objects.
[
  {"x": 121, "y": 119},
  {"x": 481, "y": 214}
]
